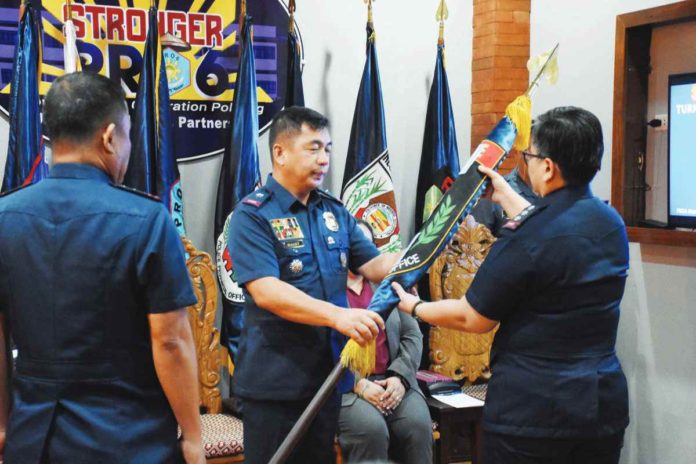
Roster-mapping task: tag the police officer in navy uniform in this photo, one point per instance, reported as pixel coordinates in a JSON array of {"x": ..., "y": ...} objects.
[
  {"x": 555, "y": 282},
  {"x": 292, "y": 245},
  {"x": 93, "y": 287}
]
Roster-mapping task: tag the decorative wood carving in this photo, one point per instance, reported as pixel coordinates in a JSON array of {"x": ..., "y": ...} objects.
[
  {"x": 457, "y": 354},
  {"x": 210, "y": 354}
]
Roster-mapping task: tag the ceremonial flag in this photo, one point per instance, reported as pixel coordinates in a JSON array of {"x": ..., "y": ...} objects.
[
  {"x": 152, "y": 167},
  {"x": 239, "y": 176},
  {"x": 368, "y": 191},
  {"x": 512, "y": 130},
  {"x": 71, "y": 57},
  {"x": 25, "y": 151},
  {"x": 439, "y": 164},
  {"x": 294, "y": 94}
]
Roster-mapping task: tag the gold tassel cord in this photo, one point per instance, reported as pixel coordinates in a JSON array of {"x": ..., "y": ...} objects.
[
  {"x": 360, "y": 360},
  {"x": 520, "y": 113}
]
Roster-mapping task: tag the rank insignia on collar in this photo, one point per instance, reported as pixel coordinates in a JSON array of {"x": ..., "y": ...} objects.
[
  {"x": 287, "y": 228},
  {"x": 330, "y": 221},
  {"x": 296, "y": 266},
  {"x": 344, "y": 260}
]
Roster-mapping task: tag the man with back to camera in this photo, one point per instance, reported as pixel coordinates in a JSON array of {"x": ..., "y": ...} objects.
[
  {"x": 93, "y": 286},
  {"x": 292, "y": 245},
  {"x": 555, "y": 281}
]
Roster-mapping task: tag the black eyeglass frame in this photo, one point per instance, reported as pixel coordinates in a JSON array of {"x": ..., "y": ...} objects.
[{"x": 526, "y": 155}]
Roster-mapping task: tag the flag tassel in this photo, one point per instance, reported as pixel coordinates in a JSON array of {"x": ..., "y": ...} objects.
[{"x": 359, "y": 359}]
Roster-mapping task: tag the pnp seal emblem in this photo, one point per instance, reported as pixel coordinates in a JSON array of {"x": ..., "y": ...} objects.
[
  {"x": 344, "y": 260},
  {"x": 382, "y": 219},
  {"x": 296, "y": 266},
  {"x": 330, "y": 221}
]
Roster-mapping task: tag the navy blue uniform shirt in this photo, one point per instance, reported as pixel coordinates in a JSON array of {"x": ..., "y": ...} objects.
[
  {"x": 555, "y": 285},
  {"x": 82, "y": 263},
  {"x": 311, "y": 247}
]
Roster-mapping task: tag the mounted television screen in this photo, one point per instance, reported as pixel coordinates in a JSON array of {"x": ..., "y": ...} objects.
[{"x": 681, "y": 152}]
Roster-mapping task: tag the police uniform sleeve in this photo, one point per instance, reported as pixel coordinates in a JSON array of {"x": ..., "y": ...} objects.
[
  {"x": 362, "y": 249},
  {"x": 161, "y": 266},
  {"x": 4, "y": 287},
  {"x": 251, "y": 247},
  {"x": 505, "y": 278}
]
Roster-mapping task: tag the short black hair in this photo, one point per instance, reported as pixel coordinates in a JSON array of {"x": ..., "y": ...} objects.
[
  {"x": 79, "y": 104},
  {"x": 572, "y": 138},
  {"x": 289, "y": 121}
]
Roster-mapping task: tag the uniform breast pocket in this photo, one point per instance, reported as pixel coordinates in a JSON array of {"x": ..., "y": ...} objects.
[
  {"x": 294, "y": 263},
  {"x": 338, "y": 251}
]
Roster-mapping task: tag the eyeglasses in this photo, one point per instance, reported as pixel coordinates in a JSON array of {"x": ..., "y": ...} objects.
[{"x": 526, "y": 155}]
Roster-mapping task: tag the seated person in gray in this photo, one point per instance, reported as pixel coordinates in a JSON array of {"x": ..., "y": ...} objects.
[{"x": 385, "y": 416}]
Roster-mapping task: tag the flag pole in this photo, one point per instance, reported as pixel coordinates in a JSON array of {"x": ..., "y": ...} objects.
[{"x": 300, "y": 428}]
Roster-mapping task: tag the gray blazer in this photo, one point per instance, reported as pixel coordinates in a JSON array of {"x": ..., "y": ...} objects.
[{"x": 405, "y": 342}]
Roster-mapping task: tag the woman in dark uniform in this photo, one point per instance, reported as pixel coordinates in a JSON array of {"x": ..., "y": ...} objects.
[{"x": 554, "y": 282}]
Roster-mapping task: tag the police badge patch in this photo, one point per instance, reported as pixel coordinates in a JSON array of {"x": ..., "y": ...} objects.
[{"x": 330, "y": 221}]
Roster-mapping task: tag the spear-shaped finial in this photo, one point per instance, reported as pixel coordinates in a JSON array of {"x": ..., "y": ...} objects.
[
  {"x": 441, "y": 14},
  {"x": 369, "y": 11},
  {"x": 370, "y": 23},
  {"x": 242, "y": 14},
  {"x": 545, "y": 63},
  {"x": 291, "y": 8}
]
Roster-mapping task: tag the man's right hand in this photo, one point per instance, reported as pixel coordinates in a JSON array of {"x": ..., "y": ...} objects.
[
  {"x": 192, "y": 451},
  {"x": 361, "y": 325}
]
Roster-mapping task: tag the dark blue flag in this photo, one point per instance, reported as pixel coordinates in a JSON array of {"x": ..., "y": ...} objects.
[
  {"x": 439, "y": 164},
  {"x": 239, "y": 176},
  {"x": 368, "y": 191},
  {"x": 25, "y": 152},
  {"x": 294, "y": 93},
  {"x": 152, "y": 167}
]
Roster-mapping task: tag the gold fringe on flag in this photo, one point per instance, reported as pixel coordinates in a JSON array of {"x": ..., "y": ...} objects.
[
  {"x": 360, "y": 360},
  {"x": 520, "y": 113}
]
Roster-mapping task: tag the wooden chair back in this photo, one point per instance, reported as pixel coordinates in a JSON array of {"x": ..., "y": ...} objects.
[{"x": 210, "y": 354}]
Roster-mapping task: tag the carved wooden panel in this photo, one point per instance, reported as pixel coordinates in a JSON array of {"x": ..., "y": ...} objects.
[{"x": 457, "y": 354}]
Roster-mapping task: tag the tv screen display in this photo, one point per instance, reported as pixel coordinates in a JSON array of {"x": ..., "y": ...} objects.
[{"x": 681, "y": 151}]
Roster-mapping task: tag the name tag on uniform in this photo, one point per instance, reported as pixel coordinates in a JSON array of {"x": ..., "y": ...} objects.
[{"x": 288, "y": 232}]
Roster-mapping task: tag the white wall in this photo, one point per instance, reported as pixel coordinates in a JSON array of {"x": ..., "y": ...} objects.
[
  {"x": 334, "y": 39},
  {"x": 658, "y": 322}
]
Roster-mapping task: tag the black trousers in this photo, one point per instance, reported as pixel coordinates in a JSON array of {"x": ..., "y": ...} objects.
[
  {"x": 507, "y": 449},
  {"x": 267, "y": 423}
]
